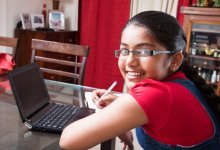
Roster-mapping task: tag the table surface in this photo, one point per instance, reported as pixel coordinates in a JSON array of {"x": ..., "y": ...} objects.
[{"x": 14, "y": 135}]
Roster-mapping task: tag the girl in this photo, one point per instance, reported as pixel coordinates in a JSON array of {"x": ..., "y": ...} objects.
[{"x": 170, "y": 106}]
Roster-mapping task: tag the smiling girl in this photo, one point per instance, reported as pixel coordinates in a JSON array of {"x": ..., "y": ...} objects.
[{"x": 168, "y": 103}]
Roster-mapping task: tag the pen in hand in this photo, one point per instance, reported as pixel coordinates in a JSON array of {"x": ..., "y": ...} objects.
[{"x": 108, "y": 91}]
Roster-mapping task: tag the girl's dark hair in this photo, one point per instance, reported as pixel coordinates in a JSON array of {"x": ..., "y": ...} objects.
[{"x": 168, "y": 32}]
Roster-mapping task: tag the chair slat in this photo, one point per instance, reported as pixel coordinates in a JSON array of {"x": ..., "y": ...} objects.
[
  {"x": 9, "y": 42},
  {"x": 59, "y": 47},
  {"x": 56, "y": 61},
  {"x": 61, "y": 73}
]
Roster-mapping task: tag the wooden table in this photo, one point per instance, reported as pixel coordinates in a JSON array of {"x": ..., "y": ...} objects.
[{"x": 13, "y": 133}]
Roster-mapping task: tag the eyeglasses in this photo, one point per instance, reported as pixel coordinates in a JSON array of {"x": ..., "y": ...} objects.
[{"x": 123, "y": 53}]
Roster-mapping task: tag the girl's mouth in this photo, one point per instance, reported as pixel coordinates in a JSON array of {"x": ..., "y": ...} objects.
[{"x": 134, "y": 75}]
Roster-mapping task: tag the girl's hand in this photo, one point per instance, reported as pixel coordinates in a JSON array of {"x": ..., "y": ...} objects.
[
  {"x": 127, "y": 138},
  {"x": 104, "y": 101}
]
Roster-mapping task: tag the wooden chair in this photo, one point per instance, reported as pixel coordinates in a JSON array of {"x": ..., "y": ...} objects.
[
  {"x": 62, "y": 61},
  {"x": 9, "y": 42}
]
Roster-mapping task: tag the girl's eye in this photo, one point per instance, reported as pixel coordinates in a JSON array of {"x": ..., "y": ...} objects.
[{"x": 124, "y": 52}]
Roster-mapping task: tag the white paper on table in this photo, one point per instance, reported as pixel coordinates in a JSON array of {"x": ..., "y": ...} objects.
[{"x": 91, "y": 104}]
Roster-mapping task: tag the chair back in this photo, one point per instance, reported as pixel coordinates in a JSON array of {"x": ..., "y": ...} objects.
[
  {"x": 60, "y": 61},
  {"x": 9, "y": 42}
]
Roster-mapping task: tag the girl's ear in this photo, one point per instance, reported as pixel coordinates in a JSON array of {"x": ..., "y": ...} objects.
[{"x": 177, "y": 59}]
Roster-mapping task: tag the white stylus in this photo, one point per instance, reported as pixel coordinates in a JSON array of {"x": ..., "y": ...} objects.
[{"x": 109, "y": 90}]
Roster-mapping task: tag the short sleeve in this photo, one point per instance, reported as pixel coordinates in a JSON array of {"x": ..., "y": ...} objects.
[{"x": 155, "y": 99}]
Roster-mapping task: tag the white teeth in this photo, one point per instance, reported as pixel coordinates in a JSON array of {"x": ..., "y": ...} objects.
[{"x": 134, "y": 74}]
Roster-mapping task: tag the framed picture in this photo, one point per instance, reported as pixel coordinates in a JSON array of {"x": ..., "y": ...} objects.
[
  {"x": 26, "y": 21},
  {"x": 37, "y": 20},
  {"x": 56, "y": 20}
]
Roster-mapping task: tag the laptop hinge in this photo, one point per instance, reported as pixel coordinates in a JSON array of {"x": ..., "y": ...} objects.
[
  {"x": 35, "y": 112},
  {"x": 27, "y": 124}
]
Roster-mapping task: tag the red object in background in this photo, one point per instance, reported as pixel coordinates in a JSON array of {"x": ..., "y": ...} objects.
[
  {"x": 44, "y": 12},
  {"x": 100, "y": 26},
  {"x": 181, "y": 3},
  {"x": 6, "y": 63},
  {"x": 4, "y": 86},
  {"x": 193, "y": 2}
]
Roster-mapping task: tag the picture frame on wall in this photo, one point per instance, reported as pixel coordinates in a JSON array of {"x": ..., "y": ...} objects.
[
  {"x": 26, "y": 21},
  {"x": 37, "y": 21},
  {"x": 56, "y": 20}
]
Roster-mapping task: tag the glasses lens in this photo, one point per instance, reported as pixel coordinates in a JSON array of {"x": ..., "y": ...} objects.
[
  {"x": 117, "y": 53},
  {"x": 121, "y": 53},
  {"x": 124, "y": 52}
]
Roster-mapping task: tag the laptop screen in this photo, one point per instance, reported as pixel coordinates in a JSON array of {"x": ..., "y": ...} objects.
[{"x": 29, "y": 89}]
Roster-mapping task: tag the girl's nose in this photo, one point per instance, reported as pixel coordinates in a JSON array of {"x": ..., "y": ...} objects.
[{"x": 132, "y": 60}]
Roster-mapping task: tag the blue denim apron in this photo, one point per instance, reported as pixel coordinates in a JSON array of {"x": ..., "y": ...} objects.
[{"x": 147, "y": 143}]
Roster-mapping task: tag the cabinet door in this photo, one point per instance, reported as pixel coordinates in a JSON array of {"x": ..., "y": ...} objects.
[
  {"x": 70, "y": 37},
  {"x": 202, "y": 28},
  {"x": 204, "y": 51}
]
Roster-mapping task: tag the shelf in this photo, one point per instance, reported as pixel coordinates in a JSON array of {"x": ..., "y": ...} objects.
[
  {"x": 205, "y": 30},
  {"x": 204, "y": 57},
  {"x": 207, "y": 67},
  {"x": 205, "y": 62},
  {"x": 200, "y": 11},
  {"x": 212, "y": 84}
]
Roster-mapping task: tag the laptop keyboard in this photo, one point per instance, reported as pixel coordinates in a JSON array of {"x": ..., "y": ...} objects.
[{"x": 57, "y": 117}]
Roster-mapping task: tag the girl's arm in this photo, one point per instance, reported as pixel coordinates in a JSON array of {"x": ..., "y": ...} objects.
[{"x": 120, "y": 116}]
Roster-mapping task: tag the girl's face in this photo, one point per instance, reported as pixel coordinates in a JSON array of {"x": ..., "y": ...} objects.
[{"x": 135, "y": 69}]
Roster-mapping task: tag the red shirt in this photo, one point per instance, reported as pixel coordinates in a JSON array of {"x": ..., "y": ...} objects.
[{"x": 175, "y": 116}]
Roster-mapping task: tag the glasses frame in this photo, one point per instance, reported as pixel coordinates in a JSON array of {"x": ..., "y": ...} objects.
[{"x": 149, "y": 52}]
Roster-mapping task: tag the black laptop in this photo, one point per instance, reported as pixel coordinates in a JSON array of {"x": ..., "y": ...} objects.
[{"x": 37, "y": 111}]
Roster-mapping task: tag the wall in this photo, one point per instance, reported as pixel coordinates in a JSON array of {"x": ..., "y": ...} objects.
[
  {"x": 2, "y": 17},
  {"x": 10, "y": 13},
  {"x": 11, "y": 9},
  {"x": 70, "y": 9}
]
